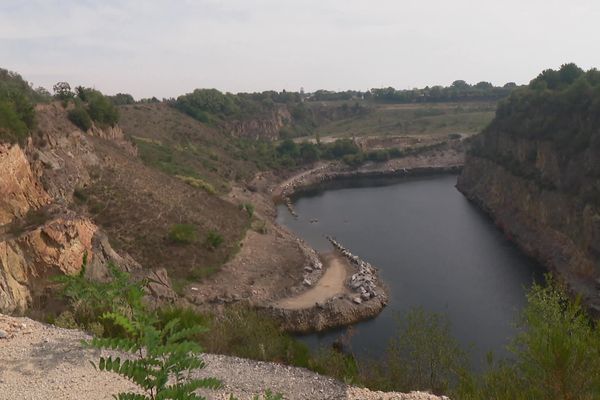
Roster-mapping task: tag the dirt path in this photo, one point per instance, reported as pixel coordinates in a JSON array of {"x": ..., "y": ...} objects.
[{"x": 330, "y": 284}]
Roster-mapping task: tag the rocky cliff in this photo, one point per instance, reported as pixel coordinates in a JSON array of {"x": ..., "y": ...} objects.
[
  {"x": 266, "y": 127},
  {"x": 537, "y": 173},
  {"x": 40, "y": 236}
]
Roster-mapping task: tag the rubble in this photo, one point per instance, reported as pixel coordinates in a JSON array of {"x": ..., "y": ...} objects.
[{"x": 363, "y": 282}]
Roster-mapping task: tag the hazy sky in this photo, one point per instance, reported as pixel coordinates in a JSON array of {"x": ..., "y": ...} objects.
[{"x": 166, "y": 48}]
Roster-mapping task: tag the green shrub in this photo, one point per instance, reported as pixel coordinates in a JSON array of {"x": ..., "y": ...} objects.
[
  {"x": 160, "y": 361},
  {"x": 183, "y": 234},
  {"x": 249, "y": 208},
  {"x": 98, "y": 106},
  {"x": 214, "y": 240},
  {"x": 12, "y": 127},
  {"x": 198, "y": 183},
  {"x": 247, "y": 333},
  {"x": 354, "y": 160},
  {"x": 198, "y": 274},
  {"x": 80, "y": 118},
  {"x": 259, "y": 226},
  {"x": 332, "y": 362},
  {"x": 422, "y": 356},
  {"x": 89, "y": 299}
]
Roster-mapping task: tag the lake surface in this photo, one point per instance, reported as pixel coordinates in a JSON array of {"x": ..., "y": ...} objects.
[{"x": 434, "y": 250}]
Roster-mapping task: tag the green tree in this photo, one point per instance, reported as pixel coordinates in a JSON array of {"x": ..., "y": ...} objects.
[
  {"x": 288, "y": 148},
  {"x": 309, "y": 152},
  {"x": 62, "y": 91},
  {"x": 556, "y": 354},
  {"x": 423, "y": 355}
]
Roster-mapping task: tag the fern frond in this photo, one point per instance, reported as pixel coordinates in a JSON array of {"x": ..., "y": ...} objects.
[
  {"x": 186, "y": 333},
  {"x": 132, "y": 396},
  {"x": 120, "y": 320},
  {"x": 121, "y": 344},
  {"x": 177, "y": 391}
]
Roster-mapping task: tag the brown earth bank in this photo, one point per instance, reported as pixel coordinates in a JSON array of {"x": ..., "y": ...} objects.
[{"x": 40, "y": 362}]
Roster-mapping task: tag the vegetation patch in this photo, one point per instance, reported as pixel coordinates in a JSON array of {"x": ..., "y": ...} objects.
[
  {"x": 183, "y": 234},
  {"x": 198, "y": 183},
  {"x": 214, "y": 240},
  {"x": 17, "y": 113},
  {"x": 248, "y": 208},
  {"x": 80, "y": 118}
]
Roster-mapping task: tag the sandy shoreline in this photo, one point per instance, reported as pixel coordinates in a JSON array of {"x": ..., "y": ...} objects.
[{"x": 331, "y": 284}]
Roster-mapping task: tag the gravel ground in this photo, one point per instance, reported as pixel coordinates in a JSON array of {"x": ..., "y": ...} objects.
[{"x": 41, "y": 362}]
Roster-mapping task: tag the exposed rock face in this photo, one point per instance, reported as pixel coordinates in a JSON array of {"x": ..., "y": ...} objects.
[
  {"x": 267, "y": 127},
  {"x": 114, "y": 134},
  {"x": 39, "y": 235},
  {"x": 544, "y": 200},
  {"x": 19, "y": 188},
  {"x": 26, "y": 262}
]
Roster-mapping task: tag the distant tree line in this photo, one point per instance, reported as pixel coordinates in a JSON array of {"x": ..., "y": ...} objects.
[
  {"x": 458, "y": 91},
  {"x": 213, "y": 107}
]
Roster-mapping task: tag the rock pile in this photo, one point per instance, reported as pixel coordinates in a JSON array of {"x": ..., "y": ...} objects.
[
  {"x": 290, "y": 206},
  {"x": 313, "y": 269},
  {"x": 363, "y": 282}
]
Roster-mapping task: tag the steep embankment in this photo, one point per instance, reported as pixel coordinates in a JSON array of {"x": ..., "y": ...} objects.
[
  {"x": 40, "y": 235},
  {"x": 64, "y": 188},
  {"x": 536, "y": 171}
]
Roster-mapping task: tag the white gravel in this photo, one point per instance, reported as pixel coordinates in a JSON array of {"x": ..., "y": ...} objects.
[{"x": 42, "y": 362}]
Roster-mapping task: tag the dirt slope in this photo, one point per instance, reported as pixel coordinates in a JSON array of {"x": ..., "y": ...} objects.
[{"x": 40, "y": 362}]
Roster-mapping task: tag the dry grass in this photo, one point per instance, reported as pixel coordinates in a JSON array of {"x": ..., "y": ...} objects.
[
  {"x": 179, "y": 145},
  {"x": 415, "y": 119},
  {"x": 138, "y": 206}
]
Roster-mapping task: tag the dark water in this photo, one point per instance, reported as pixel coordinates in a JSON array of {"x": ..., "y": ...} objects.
[{"x": 434, "y": 249}]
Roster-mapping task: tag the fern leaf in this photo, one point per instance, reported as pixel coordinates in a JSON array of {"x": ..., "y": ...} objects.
[
  {"x": 132, "y": 396},
  {"x": 178, "y": 391},
  {"x": 121, "y": 320},
  {"x": 186, "y": 333}
]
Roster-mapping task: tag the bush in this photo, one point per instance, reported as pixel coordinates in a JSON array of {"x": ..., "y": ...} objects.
[
  {"x": 99, "y": 107},
  {"x": 249, "y": 208},
  {"x": 198, "y": 183},
  {"x": 556, "y": 354},
  {"x": 89, "y": 300},
  {"x": 422, "y": 356},
  {"x": 214, "y": 240},
  {"x": 332, "y": 362},
  {"x": 12, "y": 127},
  {"x": 245, "y": 332},
  {"x": 80, "y": 118},
  {"x": 354, "y": 160},
  {"x": 183, "y": 234},
  {"x": 17, "y": 113}
]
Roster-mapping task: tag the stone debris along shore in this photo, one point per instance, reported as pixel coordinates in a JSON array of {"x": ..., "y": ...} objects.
[{"x": 364, "y": 281}]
